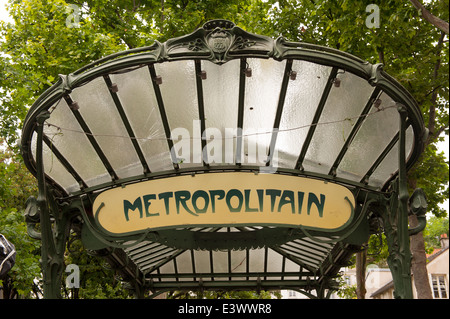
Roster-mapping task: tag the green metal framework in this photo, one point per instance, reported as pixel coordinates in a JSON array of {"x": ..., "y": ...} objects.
[{"x": 250, "y": 257}]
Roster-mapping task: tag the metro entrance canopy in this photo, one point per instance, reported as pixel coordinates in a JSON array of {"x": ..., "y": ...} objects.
[{"x": 224, "y": 160}]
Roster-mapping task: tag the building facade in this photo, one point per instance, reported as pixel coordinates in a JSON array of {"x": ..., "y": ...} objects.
[{"x": 438, "y": 274}]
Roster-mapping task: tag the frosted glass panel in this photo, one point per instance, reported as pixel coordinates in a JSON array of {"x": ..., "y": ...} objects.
[
  {"x": 54, "y": 168},
  {"x": 238, "y": 263},
  {"x": 68, "y": 137},
  {"x": 220, "y": 260},
  {"x": 184, "y": 264},
  {"x": 372, "y": 138},
  {"x": 262, "y": 93},
  {"x": 290, "y": 266},
  {"x": 202, "y": 261},
  {"x": 167, "y": 268},
  {"x": 179, "y": 93},
  {"x": 100, "y": 113},
  {"x": 344, "y": 105},
  {"x": 274, "y": 263},
  {"x": 140, "y": 105},
  {"x": 389, "y": 165},
  {"x": 302, "y": 97},
  {"x": 221, "y": 95},
  {"x": 256, "y": 260}
]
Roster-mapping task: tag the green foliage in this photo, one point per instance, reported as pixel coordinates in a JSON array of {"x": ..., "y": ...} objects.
[
  {"x": 432, "y": 175},
  {"x": 346, "y": 291},
  {"x": 436, "y": 226},
  {"x": 224, "y": 295},
  {"x": 97, "y": 280},
  {"x": 16, "y": 185},
  {"x": 38, "y": 47},
  {"x": 377, "y": 251}
]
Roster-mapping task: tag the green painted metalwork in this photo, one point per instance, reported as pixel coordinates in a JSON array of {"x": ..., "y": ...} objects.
[
  {"x": 395, "y": 224},
  {"x": 418, "y": 206},
  {"x": 317, "y": 254},
  {"x": 53, "y": 239}
]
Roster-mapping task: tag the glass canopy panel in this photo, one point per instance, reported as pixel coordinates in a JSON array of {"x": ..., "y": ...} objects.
[
  {"x": 310, "y": 249},
  {"x": 141, "y": 107},
  {"x": 290, "y": 266},
  {"x": 184, "y": 264},
  {"x": 150, "y": 252},
  {"x": 202, "y": 261},
  {"x": 274, "y": 263},
  {"x": 343, "y": 107},
  {"x": 237, "y": 264},
  {"x": 389, "y": 165},
  {"x": 100, "y": 114},
  {"x": 379, "y": 128},
  {"x": 262, "y": 92},
  {"x": 68, "y": 137},
  {"x": 179, "y": 94},
  {"x": 150, "y": 255},
  {"x": 54, "y": 168},
  {"x": 221, "y": 95},
  {"x": 220, "y": 261},
  {"x": 167, "y": 268},
  {"x": 302, "y": 97},
  {"x": 256, "y": 260}
]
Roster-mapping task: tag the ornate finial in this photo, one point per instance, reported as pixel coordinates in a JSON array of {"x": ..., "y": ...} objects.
[{"x": 219, "y": 23}]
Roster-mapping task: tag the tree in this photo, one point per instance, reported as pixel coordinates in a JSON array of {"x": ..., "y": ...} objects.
[
  {"x": 97, "y": 279},
  {"x": 16, "y": 184},
  {"x": 436, "y": 226},
  {"x": 36, "y": 48}
]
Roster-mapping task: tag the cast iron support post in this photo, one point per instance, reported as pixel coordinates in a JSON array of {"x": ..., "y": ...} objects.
[
  {"x": 52, "y": 241},
  {"x": 396, "y": 223}
]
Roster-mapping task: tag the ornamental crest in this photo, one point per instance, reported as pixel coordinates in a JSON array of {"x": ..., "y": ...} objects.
[{"x": 219, "y": 41}]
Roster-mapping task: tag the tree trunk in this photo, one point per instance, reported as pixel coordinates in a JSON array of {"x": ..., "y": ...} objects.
[
  {"x": 419, "y": 258},
  {"x": 361, "y": 260},
  {"x": 419, "y": 263}
]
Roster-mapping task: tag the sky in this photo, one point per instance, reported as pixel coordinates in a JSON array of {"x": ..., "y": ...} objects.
[
  {"x": 444, "y": 146},
  {"x": 3, "y": 13}
]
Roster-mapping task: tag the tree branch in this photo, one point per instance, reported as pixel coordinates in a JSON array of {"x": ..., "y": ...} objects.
[
  {"x": 434, "y": 95},
  {"x": 381, "y": 56},
  {"x": 437, "y": 22},
  {"x": 441, "y": 130}
]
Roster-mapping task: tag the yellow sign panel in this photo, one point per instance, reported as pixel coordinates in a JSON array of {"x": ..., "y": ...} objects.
[{"x": 224, "y": 199}]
